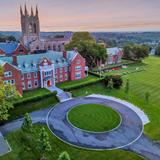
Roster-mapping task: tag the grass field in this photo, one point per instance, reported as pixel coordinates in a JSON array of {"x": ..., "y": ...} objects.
[
  {"x": 25, "y": 148},
  {"x": 94, "y": 117},
  {"x": 140, "y": 83}
]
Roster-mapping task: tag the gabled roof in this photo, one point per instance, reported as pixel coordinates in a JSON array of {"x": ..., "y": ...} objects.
[
  {"x": 113, "y": 51},
  {"x": 8, "y": 48},
  {"x": 29, "y": 63},
  {"x": 71, "y": 55}
]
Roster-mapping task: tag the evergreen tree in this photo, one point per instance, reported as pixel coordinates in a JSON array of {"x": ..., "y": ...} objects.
[
  {"x": 127, "y": 87},
  {"x": 110, "y": 84},
  {"x": 64, "y": 156},
  {"x": 27, "y": 123},
  {"x": 44, "y": 144},
  {"x": 147, "y": 95}
]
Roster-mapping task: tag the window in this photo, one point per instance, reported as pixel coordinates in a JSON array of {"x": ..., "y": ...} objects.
[
  {"x": 47, "y": 73},
  {"x": 66, "y": 76},
  {"x": 28, "y": 76},
  {"x": 78, "y": 61},
  {"x": 23, "y": 86},
  {"x": 77, "y": 68},
  {"x": 35, "y": 75},
  {"x": 78, "y": 75},
  {"x": 22, "y": 76},
  {"x": 61, "y": 76},
  {"x": 56, "y": 79},
  {"x": 36, "y": 83},
  {"x": 11, "y": 82},
  {"x": 8, "y": 74},
  {"x": 29, "y": 84},
  {"x": 21, "y": 50},
  {"x": 66, "y": 69}
]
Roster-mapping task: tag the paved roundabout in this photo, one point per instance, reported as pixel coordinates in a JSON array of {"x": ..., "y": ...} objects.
[{"x": 129, "y": 130}]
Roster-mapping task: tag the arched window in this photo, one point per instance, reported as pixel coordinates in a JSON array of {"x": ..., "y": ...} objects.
[
  {"x": 59, "y": 48},
  {"x": 30, "y": 28}
]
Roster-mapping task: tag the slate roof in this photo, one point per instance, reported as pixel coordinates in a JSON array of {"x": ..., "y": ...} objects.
[
  {"x": 8, "y": 48},
  {"x": 29, "y": 63},
  {"x": 113, "y": 51}
]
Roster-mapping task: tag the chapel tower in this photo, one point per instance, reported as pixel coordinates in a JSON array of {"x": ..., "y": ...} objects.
[{"x": 30, "y": 26}]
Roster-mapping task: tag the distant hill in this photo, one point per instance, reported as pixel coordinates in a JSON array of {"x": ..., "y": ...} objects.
[
  {"x": 17, "y": 34},
  {"x": 119, "y": 37}
]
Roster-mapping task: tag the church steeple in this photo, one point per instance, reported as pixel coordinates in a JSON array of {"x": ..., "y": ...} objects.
[
  {"x": 36, "y": 11},
  {"x": 31, "y": 11},
  {"x": 26, "y": 12},
  {"x": 21, "y": 12}
]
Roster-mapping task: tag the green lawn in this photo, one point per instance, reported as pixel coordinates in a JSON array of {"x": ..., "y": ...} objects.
[
  {"x": 90, "y": 78},
  {"x": 140, "y": 82},
  {"x": 94, "y": 117},
  {"x": 24, "y": 147}
]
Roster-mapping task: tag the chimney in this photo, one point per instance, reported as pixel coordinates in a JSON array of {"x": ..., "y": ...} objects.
[
  {"x": 65, "y": 54},
  {"x": 75, "y": 49},
  {"x": 15, "y": 60}
]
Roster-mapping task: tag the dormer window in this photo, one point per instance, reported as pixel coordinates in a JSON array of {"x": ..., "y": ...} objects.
[
  {"x": 26, "y": 65},
  {"x": 34, "y": 65}
]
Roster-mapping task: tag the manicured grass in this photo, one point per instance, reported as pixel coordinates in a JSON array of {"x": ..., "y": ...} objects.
[
  {"x": 24, "y": 147},
  {"x": 140, "y": 83},
  {"x": 94, "y": 117},
  {"x": 90, "y": 78}
]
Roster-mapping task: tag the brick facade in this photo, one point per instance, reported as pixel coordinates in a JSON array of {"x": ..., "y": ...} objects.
[{"x": 46, "y": 74}]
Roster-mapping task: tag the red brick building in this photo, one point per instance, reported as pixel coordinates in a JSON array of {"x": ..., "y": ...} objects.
[
  {"x": 12, "y": 48},
  {"x": 28, "y": 72}
]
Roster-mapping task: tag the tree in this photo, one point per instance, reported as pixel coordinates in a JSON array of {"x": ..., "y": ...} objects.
[
  {"x": 64, "y": 156},
  {"x": 158, "y": 51},
  {"x": 135, "y": 52},
  {"x": 110, "y": 84},
  {"x": 87, "y": 47},
  {"x": 127, "y": 87},
  {"x": 117, "y": 81},
  {"x": 11, "y": 38},
  {"x": 8, "y": 95},
  {"x": 147, "y": 96},
  {"x": 44, "y": 144},
  {"x": 27, "y": 123}
]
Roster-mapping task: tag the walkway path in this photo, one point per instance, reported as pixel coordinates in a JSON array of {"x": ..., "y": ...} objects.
[{"x": 143, "y": 146}]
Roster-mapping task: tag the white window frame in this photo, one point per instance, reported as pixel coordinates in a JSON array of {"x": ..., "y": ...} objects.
[
  {"x": 28, "y": 75},
  {"x": 8, "y": 74},
  {"x": 29, "y": 84}
]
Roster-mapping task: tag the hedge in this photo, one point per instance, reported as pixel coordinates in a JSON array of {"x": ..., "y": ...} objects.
[
  {"x": 34, "y": 99},
  {"x": 76, "y": 86},
  {"x": 94, "y": 74}
]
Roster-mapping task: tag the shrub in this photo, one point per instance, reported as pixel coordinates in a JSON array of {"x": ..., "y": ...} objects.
[
  {"x": 34, "y": 99},
  {"x": 117, "y": 81},
  {"x": 76, "y": 86}
]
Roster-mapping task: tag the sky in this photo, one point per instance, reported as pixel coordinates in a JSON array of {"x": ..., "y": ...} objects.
[{"x": 85, "y": 15}]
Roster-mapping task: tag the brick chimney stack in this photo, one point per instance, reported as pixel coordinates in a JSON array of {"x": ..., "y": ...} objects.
[
  {"x": 15, "y": 60},
  {"x": 65, "y": 54}
]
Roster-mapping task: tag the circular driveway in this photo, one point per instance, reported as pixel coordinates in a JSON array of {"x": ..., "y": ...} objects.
[{"x": 130, "y": 129}]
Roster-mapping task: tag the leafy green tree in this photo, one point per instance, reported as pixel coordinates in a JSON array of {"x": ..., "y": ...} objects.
[
  {"x": 135, "y": 52},
  {"x": 8, "y": 95},
  {"x": 117, "y": 81},
  {"x": 147, "y": 96},
  {"x": 44, "y": 144},
  {"x": 158, "y": 51},
  {"x": 87, "y": 47},
  {"x": 64, "y": 156},
  {"x": 82, "y": 36},
  {"x": 127, "y": 87},
  {"x": 27, "y": 123}
]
